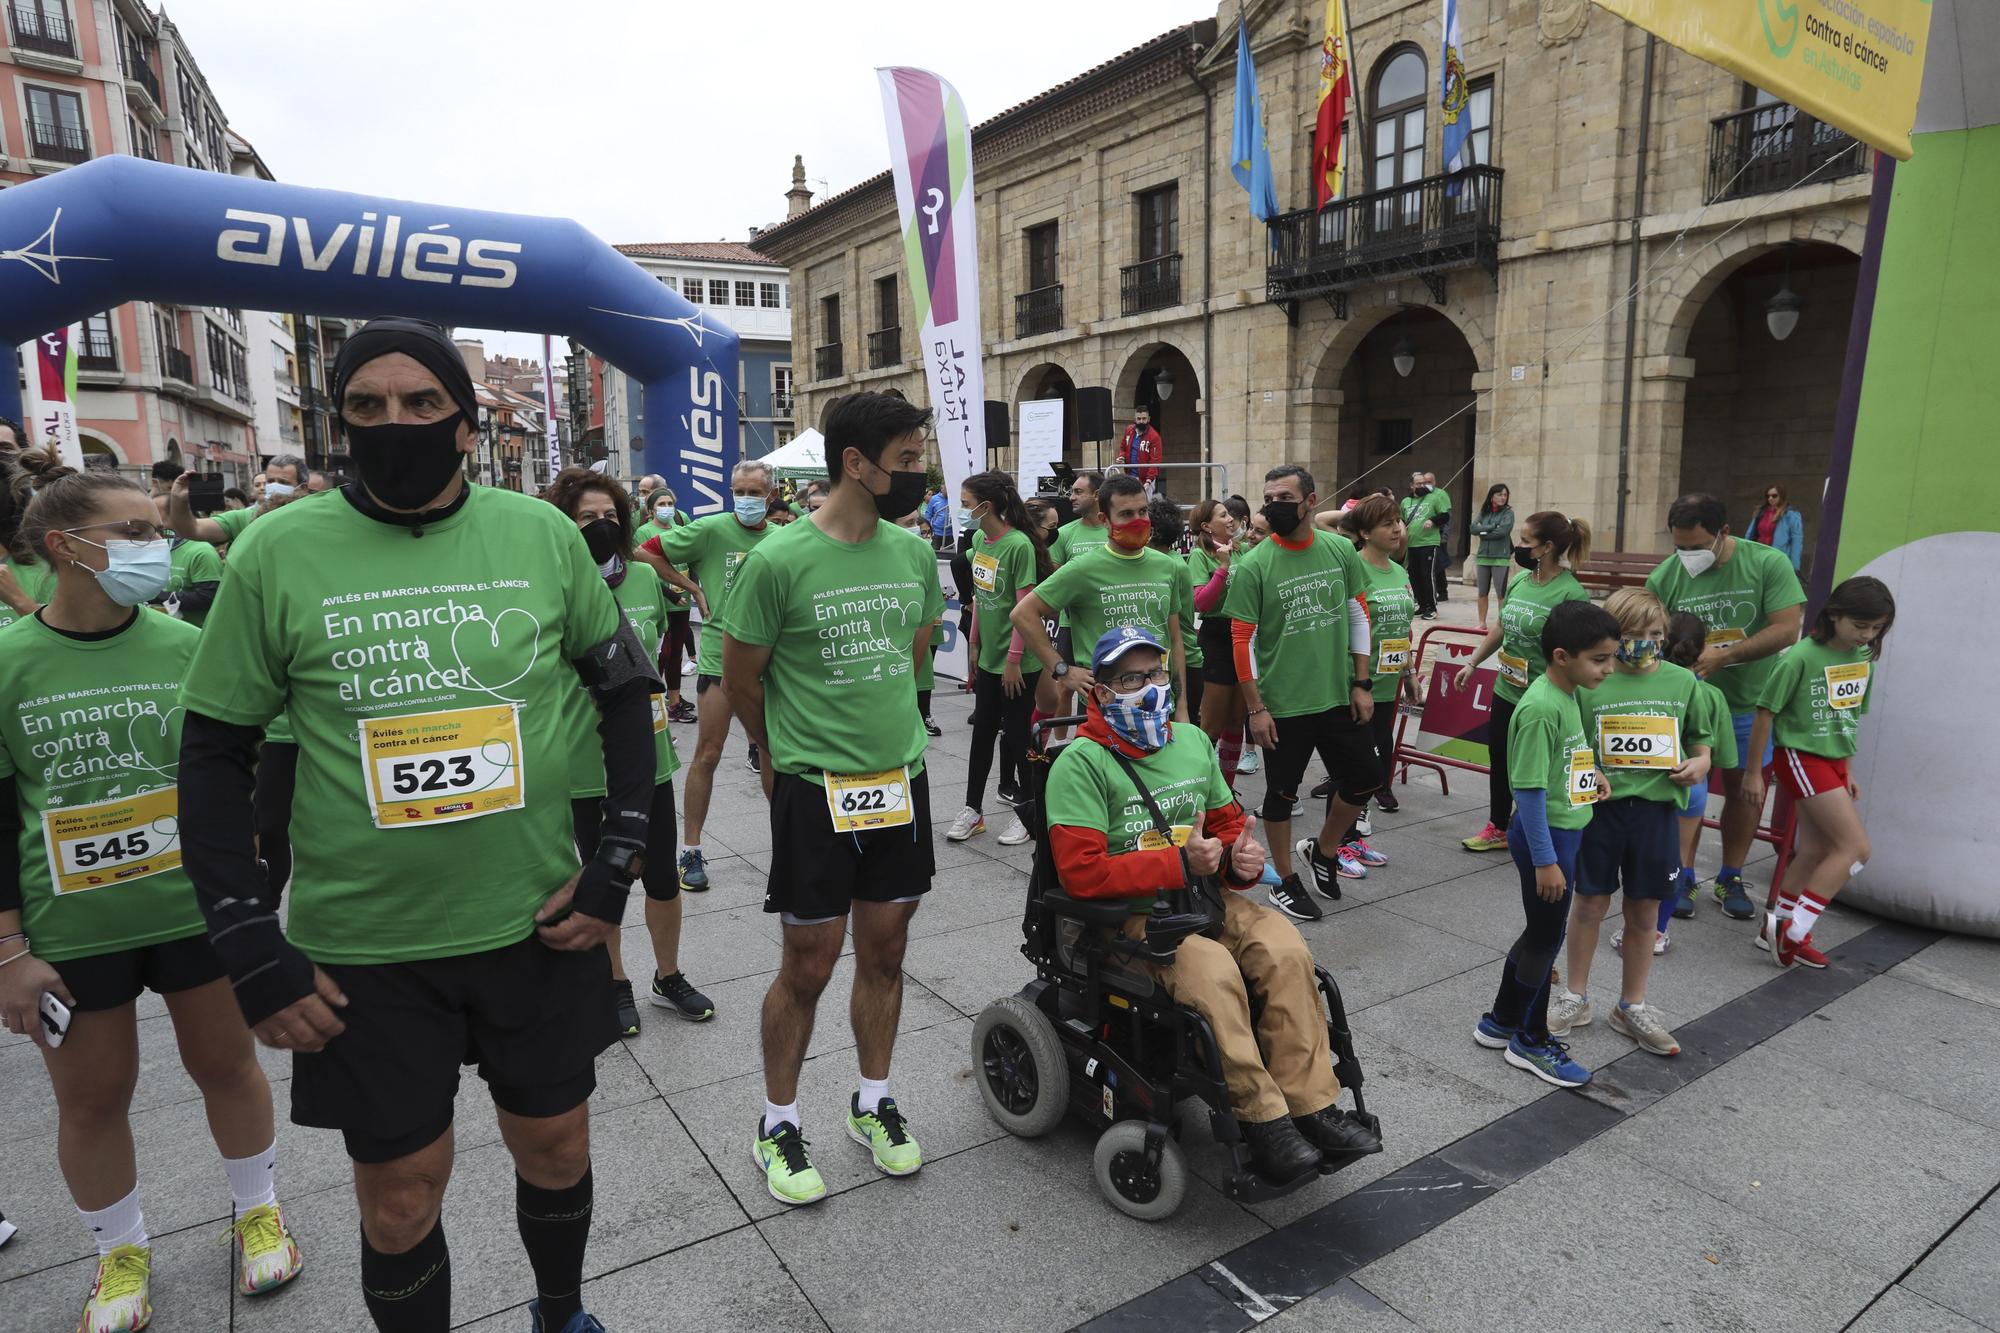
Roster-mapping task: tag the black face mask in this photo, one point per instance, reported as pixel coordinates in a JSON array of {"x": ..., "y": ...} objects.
[
  {"x": 1282, "y": 515},
  {"x": 1524, "y": 556},
  {"x": 904, "y": 496},
  {"x": 603, "y": 539},
  {"x": 405, "y": 464},
  {"x": 1420, "y": 490}
]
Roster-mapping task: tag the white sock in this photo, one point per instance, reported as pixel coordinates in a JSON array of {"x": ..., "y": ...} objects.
[
  {"x": 1569, "y": 994},
  {"x": 775, "y": 1115},
  {"x": 120, "y": 1224},
  {"x": 253, "y": 1181},
  {"x": 694, "y": 847},
  {"x": 872, "y": 1092},
  {"x": 1803, "y": 916}
]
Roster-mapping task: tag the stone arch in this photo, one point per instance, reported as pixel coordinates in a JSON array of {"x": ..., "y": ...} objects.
[
  {"x": 105, "y": 445},
  {"x": 1135, "y": 351},
  {"x": 1050, "y": 379},
  {"x": 1178, "y": 419},
  {"x": 1325, "y": 364},
  {"x": 1681, "y": 300}
]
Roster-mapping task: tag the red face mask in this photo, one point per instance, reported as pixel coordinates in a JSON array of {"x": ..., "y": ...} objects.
[{"x": 1132, "y": 536}]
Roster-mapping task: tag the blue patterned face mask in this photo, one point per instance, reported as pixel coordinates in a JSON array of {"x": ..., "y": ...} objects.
[
  {"x": 1141, "y": 718},
  {"x": 1638, "y": 652}
]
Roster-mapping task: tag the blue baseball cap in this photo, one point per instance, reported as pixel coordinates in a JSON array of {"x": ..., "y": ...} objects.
[{"x": 1115, "y": 643}]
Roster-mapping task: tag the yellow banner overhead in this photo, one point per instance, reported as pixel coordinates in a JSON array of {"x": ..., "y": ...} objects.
[{"x": 1855, "y": 64}]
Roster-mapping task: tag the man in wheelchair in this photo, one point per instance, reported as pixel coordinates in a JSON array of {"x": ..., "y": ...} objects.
[{"x": 1133, "y": 773}]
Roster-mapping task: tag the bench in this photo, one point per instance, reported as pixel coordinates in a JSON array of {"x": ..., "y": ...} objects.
[{"x": 1607, "y": 570}]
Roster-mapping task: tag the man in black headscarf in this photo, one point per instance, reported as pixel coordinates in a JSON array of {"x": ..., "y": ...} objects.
[{"x": 418, "y": 633}]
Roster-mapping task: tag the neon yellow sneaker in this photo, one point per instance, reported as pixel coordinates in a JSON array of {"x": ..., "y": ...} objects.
[
  {"x": 266, "y": 1255},
  {"x": 121, "y": 1301},
  {"x": 886, "y": 1135},
  {"x": 788, "y": 1173}
]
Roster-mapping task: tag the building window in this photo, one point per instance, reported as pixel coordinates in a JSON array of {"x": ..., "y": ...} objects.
[
  {"x": 690, "y": 288},
  {"x": 42, "y": 25},
  {"x": 669, "y": 283},
  {"x": 1160, "y": 222},
  {"x": 767, "y": 295},
  {"x": 826, "y": 356},
  {"x": 784, "y": 435},
  {"x": 718, "y": 291},
  {"x": 56, "y": 131},
  {"x": 218, "y": 359},
  {"x": 781, "y": 390},
  {"x": 746, "y": 295},
  {"x": 1400, "y": 98},
  {"x": 1479, "y": 117},
  {"x": 97, "y": 351},
  {"x": 1043, "y": 264},
  {"x": 785, "y": 295}
]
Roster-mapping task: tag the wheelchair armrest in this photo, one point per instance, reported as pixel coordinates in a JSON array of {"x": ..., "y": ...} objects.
[{"x": 1092, "y": 911}]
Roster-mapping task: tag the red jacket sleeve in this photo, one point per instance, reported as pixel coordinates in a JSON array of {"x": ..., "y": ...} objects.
[
  {"x": 1239, "y": 644},
  {"x": 1088, "y": 870}
]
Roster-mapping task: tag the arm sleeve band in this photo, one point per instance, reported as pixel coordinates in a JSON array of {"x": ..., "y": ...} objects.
[
  {"x": 217, "y": 778},
  {"x": 1208, "y": 597},
  {"x": 1087, "y": 869},
  {"x": 625, "y": 725},
  {"x": 1357, "y": 628},
  {"x": 1532, "y": 805},
  {"x": 1240, "y": 632}
]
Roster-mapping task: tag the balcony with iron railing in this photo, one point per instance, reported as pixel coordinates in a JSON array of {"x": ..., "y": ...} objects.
[
  {"x": 49, "y": 142},
  {"x": 42, "y": 32},
  {"x": 1038, "y": 311},
  {"x": 781, "y": 402},
  {"x": 1773, "y": 147},
  {"x": 1422, "y": 228},
  {"x": 826, "y": 362},
  {"x": 885, "y": 348},
  {"x": 139, "y": 73},
  {"x": 1150, "y": 284},
  {"x": 177, "y": 365},
  {"x": 97, "y": 352}
]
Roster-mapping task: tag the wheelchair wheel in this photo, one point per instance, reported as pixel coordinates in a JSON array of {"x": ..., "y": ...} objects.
[
  {"x": 1022, "y": 1068},
  {"x": 1129, "y": 1182}
]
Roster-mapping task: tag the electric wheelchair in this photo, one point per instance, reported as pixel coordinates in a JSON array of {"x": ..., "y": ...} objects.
[{"x": 1093, "y": 1035}]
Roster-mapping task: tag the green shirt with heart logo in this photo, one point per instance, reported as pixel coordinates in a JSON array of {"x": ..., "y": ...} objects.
[
  {"x": 90, "y": 731},
  {"x": 425, "y": 679},
  {"x": 713, "y": 548},
  {"x": 1735, "y": 600}
]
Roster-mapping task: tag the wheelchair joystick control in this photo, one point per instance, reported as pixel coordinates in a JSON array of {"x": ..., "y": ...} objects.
[{"x": 1167, "y": 927}]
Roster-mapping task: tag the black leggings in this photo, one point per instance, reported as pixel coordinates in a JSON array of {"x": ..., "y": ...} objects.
[
  {"x": 662, "y": 877},
  {"x": 1523, "y": 998},
  {"x": 680, "y": 639},
  {"x": 1423, "y": 567},
  {"x": 994, "y": 715},
  {"x": 271, "y": 811},
  {"x": 1500, "y": 796}
]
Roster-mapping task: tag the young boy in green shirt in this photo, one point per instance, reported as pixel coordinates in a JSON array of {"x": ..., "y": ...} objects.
[{"x": 1553, "y": 770}]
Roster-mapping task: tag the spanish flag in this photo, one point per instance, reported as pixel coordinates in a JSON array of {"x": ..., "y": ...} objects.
[{"x": 1336, "y": 86}]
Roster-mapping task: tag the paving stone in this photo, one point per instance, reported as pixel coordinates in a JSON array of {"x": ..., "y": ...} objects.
[
  {"x": 1377, "y": 955},
  {"x": 1435, "y": 1024},
  {"x": 1344, "y": 1307},
  {"x": 1900, "y": 1310},
  {"x": 1706, "y": 1265},
  {"x": 715, "y": 947},
  {"x": 1957, "y": 965},
  {"x": 971, "y": 968},
  {"x": 1022, "y": 1218},
  {"x": 1963, "y": 1272}
]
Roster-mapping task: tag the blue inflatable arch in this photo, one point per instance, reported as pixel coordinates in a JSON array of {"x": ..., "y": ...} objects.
[{"x": 122, "y": 229}]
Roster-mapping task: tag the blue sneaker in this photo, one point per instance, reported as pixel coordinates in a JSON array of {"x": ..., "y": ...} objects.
[
  {"x": 1684, "y": 905},
  {"x": 694, "y": 873},
  {"x": 580, "y": 1322},
  {"x": 1548, "y": 1062},
  {"x": 1492, "y": 1034},
  {"x": 1734, "y": 895}
]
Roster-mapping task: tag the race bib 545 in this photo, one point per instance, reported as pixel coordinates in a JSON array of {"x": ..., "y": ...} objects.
[{"x": 114, "y": 841}]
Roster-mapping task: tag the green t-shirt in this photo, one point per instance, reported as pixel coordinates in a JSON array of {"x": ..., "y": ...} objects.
[
  {"x": 1643, "y": 724},
  {"x": 841, "y": 621},
  {"x": 1202, "y": 565},
  {"x": 1103, "y": 587},
  {"x": 1547, "y": 748},
  {"x": 1392, "y": 609},
  {"x": 233, "y": 521},
  {"x": 1522, "y": 616},
  {"x": 1818, "y": 693},
  {"x": 1735, "y": 599},
  {"x": 642, "y": 597},
  {"x": 713, "y": 548},
  {"x": 676, "y": 599},
  {"x": 1297, "y": 599},
  {"x": 1000, "y": 569},
  {"x": 37, "y": 580},
  {"x": 1416, "y": 510},
  {"x": 1088, "y": 789},
  {"x": 1190, "y": 635},
  {"x": 1716, "y": 723},
  {"x": 1075, "y": 537},
  {"x": 87, "y": 724},
  {"x": 443, "y": 836},
  {"x": 193, "y": 562}
]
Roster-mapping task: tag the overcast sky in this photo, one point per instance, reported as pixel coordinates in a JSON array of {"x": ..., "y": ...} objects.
[{"x": 668, "y": 121}]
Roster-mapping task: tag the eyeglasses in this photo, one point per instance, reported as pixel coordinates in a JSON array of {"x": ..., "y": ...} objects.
[
  {"x": 131, "y": 530},
  {"x": 1138, "y": 680}
]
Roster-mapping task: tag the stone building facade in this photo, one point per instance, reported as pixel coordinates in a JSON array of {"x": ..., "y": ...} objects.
[{"x": 1118, "y": 251}]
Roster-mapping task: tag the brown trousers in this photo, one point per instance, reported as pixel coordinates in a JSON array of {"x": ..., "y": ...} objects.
[{"x": 1282, "y": 1066}]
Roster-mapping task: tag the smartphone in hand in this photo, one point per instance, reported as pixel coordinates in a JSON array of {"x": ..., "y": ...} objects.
[{"x": 55, "y": 1019}]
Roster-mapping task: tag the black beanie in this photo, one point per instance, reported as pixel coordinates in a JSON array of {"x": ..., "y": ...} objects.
[{"x": 426, "y": 343}]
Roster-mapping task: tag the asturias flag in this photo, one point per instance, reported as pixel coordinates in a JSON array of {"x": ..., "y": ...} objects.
[
  {"x": 1250, "y": 155},
  {"x": 1336, "y": 86},
  {"x": 1452, "y": 93}
]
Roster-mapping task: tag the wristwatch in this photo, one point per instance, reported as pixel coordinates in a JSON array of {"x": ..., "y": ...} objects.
[
  {"x": 1059, "y": 670},
  {"x": 624, "y": 859},
  {"x": 1365, "y": 683}
]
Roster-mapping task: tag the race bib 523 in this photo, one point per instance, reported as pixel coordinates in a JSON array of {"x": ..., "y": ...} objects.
[{"x": 435, "y": 768}]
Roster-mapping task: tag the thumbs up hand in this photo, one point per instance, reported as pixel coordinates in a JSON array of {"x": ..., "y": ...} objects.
[
  {"x": 1204, "y": 854},
  {"x": 1246, "y": 859}
]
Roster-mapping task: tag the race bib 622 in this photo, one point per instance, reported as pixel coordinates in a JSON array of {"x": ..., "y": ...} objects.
[{"x": 859, "y": 802}]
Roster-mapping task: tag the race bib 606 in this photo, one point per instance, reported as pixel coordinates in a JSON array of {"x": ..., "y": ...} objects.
[
  {"x": 435, "y": 768},
  {"x": 1846, "y": 685}
]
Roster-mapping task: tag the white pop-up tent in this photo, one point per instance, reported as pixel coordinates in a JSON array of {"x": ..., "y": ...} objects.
[{"x": 802, "y": 459}]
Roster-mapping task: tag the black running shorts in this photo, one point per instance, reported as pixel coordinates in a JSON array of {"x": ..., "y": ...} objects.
[
  {"x": 817, "y": 874},
  {"x": 107, "y": 980},
  {"x": 1345, "y": 746}
]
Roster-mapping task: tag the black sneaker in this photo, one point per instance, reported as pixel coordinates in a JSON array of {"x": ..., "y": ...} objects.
[
  {"x": 756, "y": 759},
  {"x": 673, "y": 992},
  {"x": 1291, "y": 898},
  {"x": 628, "y": 1012},
  {"x": 1325, "y": 873},
  {"x": 1324, "y": 790},
  {"x": 1010, "y": 794},
  {"x": 1386, "y": 802},
  {"x": 930, "y": 725}
]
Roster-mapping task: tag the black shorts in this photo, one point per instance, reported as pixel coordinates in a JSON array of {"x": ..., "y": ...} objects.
[
  {"x": 817, "y": 874},
  {"x": 107, "y": 980},
  {"x": 1218, "y": 651},
  {"x": 662, "y": 880},
  {"x": 532, "y": 1018},
  {"x": 1633, "y": 844},
  {"x": 703, "y": 683},
  {"x": 1345, "y": 746}
]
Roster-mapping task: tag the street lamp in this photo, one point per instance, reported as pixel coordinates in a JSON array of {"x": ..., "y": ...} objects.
[
  {"x": 1781, "y": 312},
  {"x": 1163, "y": 384},
  {"x": 1403, "y": 357}
]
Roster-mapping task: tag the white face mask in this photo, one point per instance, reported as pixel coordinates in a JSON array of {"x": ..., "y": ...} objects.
[{"x": 1697, "y": 563}]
